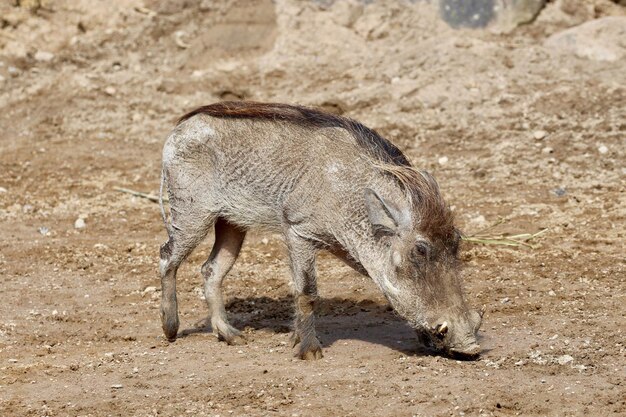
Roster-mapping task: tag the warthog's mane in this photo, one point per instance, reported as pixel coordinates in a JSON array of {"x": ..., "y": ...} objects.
[{"x": 435, "y": 215}]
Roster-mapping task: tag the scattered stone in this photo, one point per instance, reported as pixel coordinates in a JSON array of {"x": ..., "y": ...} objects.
[
  {"x": 206, "y": 5},
  {"x": 110, "y": 91},
  {"x": 32, "y": 5},
  {"x": 346, "y": 13},
  {"x": 595, "y": 40},
  {"x": 44, "y": 230},
  {"x": 564, "y": 359},
  {"x": 504, "y": 14},
  {"x": 3, "y": 190},
  {"x": 13, "y": 72},
  {"x": 547, "y": 150},
  {"x": 148, "y": 290},
  {"x": 79, "y": 223},
  {"x": 2, "y": 79},
  {"x": 443, "y": 160},
  {"x": 135, "y": 370},
  {"x": 559, "y": 192},
  {"x": 117, "y": 386},
  {"x": 265, "y": 241},
  {"x": 179, "y": 39},
  {"x": 540, "y": 134},
  {"x": 603, "y": 149},
  {"x": 479, "y": 220},
  {"x": 13, "y": 360},
  {"x": 44, "y": 56},
  {"x": 505, "y": 300},
  {"x": 197, "y": 291}
]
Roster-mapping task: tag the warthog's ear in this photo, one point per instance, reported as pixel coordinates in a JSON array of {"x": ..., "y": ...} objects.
[{"x": 384, "y": 215}]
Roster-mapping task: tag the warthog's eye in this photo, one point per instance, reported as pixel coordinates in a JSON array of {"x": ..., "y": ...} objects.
[{"x": 422, "y": 250}]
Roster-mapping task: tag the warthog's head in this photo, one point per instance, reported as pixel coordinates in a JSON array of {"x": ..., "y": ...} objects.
[{"x": 421, "y": 268}]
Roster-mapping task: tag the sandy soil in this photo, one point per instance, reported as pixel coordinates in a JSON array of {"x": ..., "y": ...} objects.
[{"x": 514, "y": 131}]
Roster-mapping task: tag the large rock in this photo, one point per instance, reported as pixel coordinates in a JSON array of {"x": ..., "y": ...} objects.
[
  {"x": 501, "y": 14},
  {"x": 599, "y": 40}
]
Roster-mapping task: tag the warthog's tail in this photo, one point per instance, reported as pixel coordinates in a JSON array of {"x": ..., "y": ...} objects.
[{"x": 163, "y": 215}]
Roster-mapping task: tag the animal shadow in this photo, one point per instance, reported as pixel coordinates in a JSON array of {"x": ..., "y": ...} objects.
[{"x": 337, "y": 319}]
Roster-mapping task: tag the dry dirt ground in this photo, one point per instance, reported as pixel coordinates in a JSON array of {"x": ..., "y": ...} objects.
[{"x": 516, "y": 133}]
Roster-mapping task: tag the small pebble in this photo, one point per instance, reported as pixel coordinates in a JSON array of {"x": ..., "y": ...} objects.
[
  {"x": 3, "y": 190},
  {"x": 443, "y": 160},
  {"x": 44, "y": 230},
  {"x": 43, "y": 56},
  {"x": 560, "y": 192},
  {"x": 603, "y": 149},
  {"x": 547, "y": 150},
  {"x": 110, "y": 90},
  {"x": 14, "y": 72},
  {"x": 551, "y": 293},
  {"x": 206, "y": 5},
  {"x": 149, "y": 290},
  {"x": 479, "y": 220},
  {"x": 505, "y": 300},
  {"x": 79, "y": 223},
  {"x": 117, "y": 386},
  {"x": 135, "y": 370},
  {"x": 564, "y": 360},
  {"x": 265, "y": 241},
  {"x": 540, "y": 134},
  {"x": 13, "y": 360}
]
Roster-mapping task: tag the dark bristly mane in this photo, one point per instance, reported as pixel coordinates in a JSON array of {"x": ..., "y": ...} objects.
[
  {"x": 379, "y": 147},
  {"x": 435, "y": 216}
]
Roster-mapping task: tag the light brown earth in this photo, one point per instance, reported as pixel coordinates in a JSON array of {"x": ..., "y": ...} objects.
[{"x": 79, "y": 323}]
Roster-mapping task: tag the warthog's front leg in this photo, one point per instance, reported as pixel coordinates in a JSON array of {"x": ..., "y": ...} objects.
[{"x": 302, "y": 256}]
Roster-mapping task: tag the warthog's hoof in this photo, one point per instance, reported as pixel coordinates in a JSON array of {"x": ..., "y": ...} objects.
[
  {"x": 235, "y": 340},
  {"x": 311, "y": 351},
  {"x": 227, "y": 333},
  {"x": 230, "y": 335},
  {"x": 170, "y": 330}
]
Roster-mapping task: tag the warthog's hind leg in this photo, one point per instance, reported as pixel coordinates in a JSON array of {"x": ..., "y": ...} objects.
[{"x": 228, "y": 241}]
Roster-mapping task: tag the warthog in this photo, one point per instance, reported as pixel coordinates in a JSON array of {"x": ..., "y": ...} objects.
[{"x": 322, "y": 182}]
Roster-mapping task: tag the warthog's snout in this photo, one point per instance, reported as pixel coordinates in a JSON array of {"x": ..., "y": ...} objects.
[
  {"x": 469, "y": 352},
  {"x": 455, "y": 337}
]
